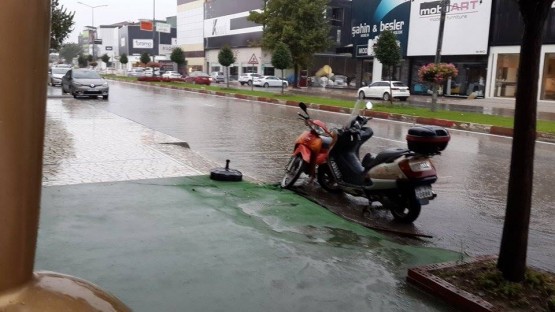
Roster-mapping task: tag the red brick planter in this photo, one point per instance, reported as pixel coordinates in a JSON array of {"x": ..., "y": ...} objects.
[
  {"x": 501, "y": 131},
  {"x": 381, "y": 115},
  {"x": 423, "y": 278}
]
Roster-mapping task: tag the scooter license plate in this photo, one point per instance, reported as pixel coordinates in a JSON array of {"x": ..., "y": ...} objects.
[{"x": 424, "y": 191}]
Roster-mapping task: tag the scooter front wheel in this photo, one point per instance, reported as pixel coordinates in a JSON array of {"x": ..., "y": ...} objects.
[
  {"x": 293, "y": 171},
  {"x": 405, "y": 208},
  {"x": 326, "y": 179}
]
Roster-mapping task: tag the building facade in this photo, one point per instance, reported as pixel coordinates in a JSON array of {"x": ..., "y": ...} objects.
[
  {"x": 225, "y": 23},
  {"x": 507, "y": 30},
  {"x": 127, "y": 37},
  {"x": 190, "y": 32},
  {"x": 464, "y": 44},
  {"x": 158, "y": 44}
]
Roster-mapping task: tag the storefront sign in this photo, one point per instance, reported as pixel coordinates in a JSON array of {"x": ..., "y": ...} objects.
[
  {"x": 371, "y": 17},
  {"x": 166, "y": 49},
  {"x": 163, "y": 27},
  {"x": 466, "y": 27},
  {"x": 142, "y": 43}
]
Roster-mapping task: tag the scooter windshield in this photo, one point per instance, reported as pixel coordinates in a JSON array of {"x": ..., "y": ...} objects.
[{"x": 359, "y": 105}]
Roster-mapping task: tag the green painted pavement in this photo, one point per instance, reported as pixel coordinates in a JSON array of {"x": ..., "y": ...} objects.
[{"x": 194, "y": 244}]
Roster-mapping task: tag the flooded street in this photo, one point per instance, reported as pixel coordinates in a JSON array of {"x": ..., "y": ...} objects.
[{"x": 467, "y": 216}]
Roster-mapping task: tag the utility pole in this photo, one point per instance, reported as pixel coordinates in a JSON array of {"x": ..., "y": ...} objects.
[
  {"x": 92, "y": 25},
  {"x": 445, "y": 4}
]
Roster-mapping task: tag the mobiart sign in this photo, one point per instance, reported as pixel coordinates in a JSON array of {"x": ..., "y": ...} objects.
[{"x": 466, "y": 27}]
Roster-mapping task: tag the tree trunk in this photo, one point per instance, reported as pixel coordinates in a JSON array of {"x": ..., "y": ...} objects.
[
  {"x": 295, "y": 80},
  {"x": 282, "y": 82},
  {"x": 227, "y": 76},
  {"x": 514, "y": 242},
  {"x": 390, "y": 90}
]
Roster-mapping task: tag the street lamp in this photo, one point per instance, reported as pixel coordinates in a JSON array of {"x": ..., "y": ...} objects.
[{"x": 92, "y": 24}]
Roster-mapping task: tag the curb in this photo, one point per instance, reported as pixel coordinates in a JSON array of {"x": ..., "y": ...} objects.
[
  {"x": 423, "y": 278},
  {"x": 466, "y": 126}
]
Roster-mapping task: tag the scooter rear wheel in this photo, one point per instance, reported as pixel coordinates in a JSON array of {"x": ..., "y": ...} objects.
[
  {"x": 405, "y": 208},
  {"x": 293, "y": 171},
  {"x": 326, "y": 179}
]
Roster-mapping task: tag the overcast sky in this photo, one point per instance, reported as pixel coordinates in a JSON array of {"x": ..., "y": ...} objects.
[{"x": 116, "y": 11}]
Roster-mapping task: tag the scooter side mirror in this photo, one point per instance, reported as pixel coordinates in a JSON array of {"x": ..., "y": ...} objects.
[
  {"x": 303, "y": 107},
  {"x": 369, "y": 105}
]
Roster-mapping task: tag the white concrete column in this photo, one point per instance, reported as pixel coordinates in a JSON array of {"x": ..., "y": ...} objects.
[{"x": 377, "y": 68}]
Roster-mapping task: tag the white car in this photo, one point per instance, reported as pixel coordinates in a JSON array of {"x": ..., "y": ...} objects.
[
  {"x": 136, "y": 72},
  {"x": 56, "y": 74},
  {"x": 382, "y": 90},
  {"x": 247, "y": 78},
  {"x": 269, "y": 81},
  {"x": 217, "y": 76},
  {"x": 171, "y": 74}
]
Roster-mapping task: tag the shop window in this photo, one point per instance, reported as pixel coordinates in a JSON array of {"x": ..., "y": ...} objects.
[
  {"x": 470, "y": 80},
  {"x": 506, "y": 74},
  {"x": 250, "y": 69},
  {"x": 269, "y": 71},
  {"x": 233, "y": 72},
  {"x": 548, "y": 78},
  {"x": 336, "y": 17}
]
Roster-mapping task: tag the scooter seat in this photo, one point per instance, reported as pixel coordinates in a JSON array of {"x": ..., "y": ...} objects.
[{"x": 385, "y": 156}]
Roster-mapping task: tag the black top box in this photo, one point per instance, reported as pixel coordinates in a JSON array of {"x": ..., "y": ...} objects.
[{"x": 428, "y": 140}]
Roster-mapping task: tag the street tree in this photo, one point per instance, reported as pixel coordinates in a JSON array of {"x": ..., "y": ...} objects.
[
  {"x": 69, "y": 51},
  {"x": 106, "y": 59},
  {"x": 281, "y": 58},
  {"x": 82, "y": 61},
  {"x": 178, "y": 57},
  {"x": 388, "y": 52},
  {"x": 61, "y": 24},
  {"x": 90, "y": 58},
  {"x": 514, "y": 241},
  {"x": 301, "y": 24},
  {"x": 124, "y": 60},
  {"x": 145, "y": 58},
  {"x": 226, "y": 58}
]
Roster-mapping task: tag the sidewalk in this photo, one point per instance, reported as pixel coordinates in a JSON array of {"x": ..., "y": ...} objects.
[{"x": 141, "y": 219}]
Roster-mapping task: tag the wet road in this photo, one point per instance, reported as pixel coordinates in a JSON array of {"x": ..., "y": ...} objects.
[{"x": 467, "y": 216}]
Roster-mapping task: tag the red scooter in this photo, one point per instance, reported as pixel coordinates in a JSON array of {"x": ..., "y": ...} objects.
[{"x": 311, "y": 150}]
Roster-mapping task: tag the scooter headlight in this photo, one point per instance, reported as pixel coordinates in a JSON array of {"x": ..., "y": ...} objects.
[{"x": 319, "y": 130}]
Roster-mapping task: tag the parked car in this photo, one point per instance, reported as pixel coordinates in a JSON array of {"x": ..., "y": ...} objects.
[
  {"x": 247, "y": 78},
  {"x": 56, "y": 73},
  {"x": 217, "y": 76},
  {"x": 198, "y": 77},
  {"x": 84, "y": 82},
  {"x": 382, "y": 90},
  {"x": 270, "y": 81},
  {"x": 171, "y": 74},
  {"x": 136, "y": 72}
]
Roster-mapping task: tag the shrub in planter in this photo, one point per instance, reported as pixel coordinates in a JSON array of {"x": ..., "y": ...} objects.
[{"x": 437, "y": 74}]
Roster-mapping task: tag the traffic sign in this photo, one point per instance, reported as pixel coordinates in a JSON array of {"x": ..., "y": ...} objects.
[{"x": 253, "y": 60}]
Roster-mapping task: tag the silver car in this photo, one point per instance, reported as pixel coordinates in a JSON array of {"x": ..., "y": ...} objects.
[
  {"x": 55, "y": 75},
  {"x": 84, "y": 82}
]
